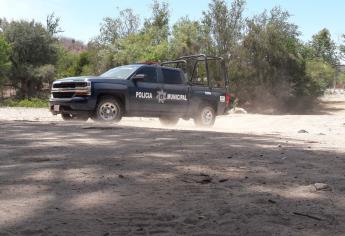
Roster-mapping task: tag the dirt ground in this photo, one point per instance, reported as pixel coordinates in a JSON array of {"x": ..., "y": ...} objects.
[{"x": 249, "y": 175}]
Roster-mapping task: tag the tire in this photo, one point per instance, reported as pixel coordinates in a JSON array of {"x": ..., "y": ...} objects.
[
  {"x": 69, "y": 117},
  {"x": 66, "y": 117},
  {"x": 205, "y": 117},
  {"x": 168, "y": 121},
  {"x": 108, "y": 110}
]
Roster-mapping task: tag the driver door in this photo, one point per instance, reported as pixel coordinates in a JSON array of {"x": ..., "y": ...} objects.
[{"x": 143, "y": 92}]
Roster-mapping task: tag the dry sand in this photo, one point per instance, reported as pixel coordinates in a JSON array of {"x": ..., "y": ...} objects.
[{"x": 249, "y": 175}]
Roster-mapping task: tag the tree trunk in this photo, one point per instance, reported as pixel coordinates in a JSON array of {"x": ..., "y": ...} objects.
[{"x": 23, "y": 90}]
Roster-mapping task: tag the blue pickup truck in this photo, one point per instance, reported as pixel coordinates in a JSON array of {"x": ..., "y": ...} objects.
[{"x": 184, "y": 88}]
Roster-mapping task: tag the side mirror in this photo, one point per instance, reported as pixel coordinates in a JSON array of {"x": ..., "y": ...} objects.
[{"x": 139, "y": 77}]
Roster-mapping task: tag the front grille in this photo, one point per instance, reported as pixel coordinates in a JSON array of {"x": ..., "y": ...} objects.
[
  {"x": 70, "y": 85},
  {"x": 62, "y": 95},
  {"x": 71, "y": 89}
]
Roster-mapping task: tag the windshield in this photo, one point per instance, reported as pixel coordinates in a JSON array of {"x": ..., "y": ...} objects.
[{"x": 121, "y": 72}]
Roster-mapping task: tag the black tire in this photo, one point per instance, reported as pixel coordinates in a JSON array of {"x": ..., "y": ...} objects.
[
  {"x": 168, "y": 121},
  {"x": 69, "y": 117},
  {"x": 66, "y": 116},
  {"x": 108, "y": 110},
  {"x": 205, "y": 117},
  {"x": 81, "y": 117}
]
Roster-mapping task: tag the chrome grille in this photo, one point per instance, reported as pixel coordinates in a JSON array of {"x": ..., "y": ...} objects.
[{"x": 71, "y": 89}]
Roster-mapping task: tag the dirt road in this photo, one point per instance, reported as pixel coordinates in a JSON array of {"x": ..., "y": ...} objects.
[{"x": 249, "y": 175}]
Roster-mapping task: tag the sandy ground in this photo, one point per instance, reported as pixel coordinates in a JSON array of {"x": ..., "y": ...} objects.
[{"x": 249, "y": 175}]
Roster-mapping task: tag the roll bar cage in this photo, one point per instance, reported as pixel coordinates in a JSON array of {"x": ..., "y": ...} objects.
[{"x": 199, "y": 58}]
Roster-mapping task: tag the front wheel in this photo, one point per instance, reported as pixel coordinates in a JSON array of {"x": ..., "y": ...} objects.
[
  {"x": 69, "y": 117},
  {"x": 205, "y": 117},
  {"x": 109, "y": 110},
  {"x": 168, "y": 121}
]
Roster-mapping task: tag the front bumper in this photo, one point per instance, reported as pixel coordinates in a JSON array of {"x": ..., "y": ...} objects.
[{"x": 75, "y": 105}]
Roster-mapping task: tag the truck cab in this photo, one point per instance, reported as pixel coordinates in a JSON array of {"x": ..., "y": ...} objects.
[{"x": 168, "y": 91}]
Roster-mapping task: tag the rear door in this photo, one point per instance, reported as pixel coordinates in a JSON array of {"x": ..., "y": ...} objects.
[{"x": 175, "y": 92}]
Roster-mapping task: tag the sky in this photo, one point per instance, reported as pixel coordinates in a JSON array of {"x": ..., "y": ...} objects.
[{"x": 80, "y": 19}]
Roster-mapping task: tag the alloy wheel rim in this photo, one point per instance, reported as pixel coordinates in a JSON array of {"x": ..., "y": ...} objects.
[
  {"x": 207, "y": 116},
  {"x": 108, "y": 111}
]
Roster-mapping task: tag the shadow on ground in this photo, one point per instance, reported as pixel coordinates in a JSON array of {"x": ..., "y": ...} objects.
[{"x": 69, "y": 179}]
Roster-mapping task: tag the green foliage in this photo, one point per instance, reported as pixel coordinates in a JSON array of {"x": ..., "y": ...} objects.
[
  {"x": 5, "y": 64},
  {"x": 268, "y": 66},
  {"x": 53, "y": 24},
  {"x": 159, "y": 22},
  {"x": 342, "y": 47},
  {"x": 66, "y": 64},
  {"x": 322, "y": 47},
  {"x": 321, "y": 74},
  {"x": 224, "y": 24},
  {"x": 5, "y": 51},
  {"x": 33, "y": 102},
  {"x": 72, "y": 64},
  {"x": 31, "y": 43},
  {"x": 45, "y": 73},
  {"x": 122, "y": 42},
  {"x": 32, "y": 47},
  {"x": 113, "y": 29},
  {"x": 187, "y": 38}
]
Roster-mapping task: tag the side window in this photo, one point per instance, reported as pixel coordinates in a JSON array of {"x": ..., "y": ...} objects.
[
  {"x": 150, "y": 72},
  {"x": 172, "y": 76}
]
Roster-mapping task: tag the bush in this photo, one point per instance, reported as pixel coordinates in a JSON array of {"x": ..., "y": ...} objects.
[{"x": 33, "y": 102}]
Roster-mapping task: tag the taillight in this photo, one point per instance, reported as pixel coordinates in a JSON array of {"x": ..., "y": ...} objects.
[{"x": 227, "y": 99}]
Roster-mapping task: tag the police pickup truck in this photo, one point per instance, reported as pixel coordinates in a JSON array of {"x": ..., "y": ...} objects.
[{"x": 182, "y": 88}]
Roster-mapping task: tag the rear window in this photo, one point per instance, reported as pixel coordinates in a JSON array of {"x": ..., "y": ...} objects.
[{"x": 172, "y": 76}]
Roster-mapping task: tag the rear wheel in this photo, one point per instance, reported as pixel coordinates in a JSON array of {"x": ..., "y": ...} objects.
[
  {"x": 205, "y": 117},
  {"x": 168, "y": 121},
  {"x": 109, "y": 110}
]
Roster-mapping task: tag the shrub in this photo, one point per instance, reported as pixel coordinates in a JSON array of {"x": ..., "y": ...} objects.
[{"x": 33, "y": 102}]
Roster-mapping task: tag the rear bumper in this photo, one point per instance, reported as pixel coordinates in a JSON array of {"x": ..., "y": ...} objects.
[{"x": 75, "y": 105}]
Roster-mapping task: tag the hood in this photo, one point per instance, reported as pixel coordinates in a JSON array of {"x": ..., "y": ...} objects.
[
  {"x": 94, "y": 79},
  {"x": 77, "y": 79}
]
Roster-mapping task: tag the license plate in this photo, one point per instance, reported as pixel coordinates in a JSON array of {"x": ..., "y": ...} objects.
[{"x": 56, "y": 107}]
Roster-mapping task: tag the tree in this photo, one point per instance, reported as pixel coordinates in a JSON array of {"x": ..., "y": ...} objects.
[
  {"x": 52, "y": 24},
  {"x": 323, "y": 47},
  {"x": 224, "y": 24},
  {"x": 32, "y": 47},
  {"x": 83, "y": 65},
  {"x": 5, "y": 64},
  {"x": 67, "y": 62},
  {"x": 322, "y": 74},
  {"x": 342, "y": 47},
  {"x": 269, "y": 69},
  {"x": 113, "y": 29},
  {"x": 121, "y": 41},
  {"x": 159, "y": 22},
  {"x": 3, "y": 24},
  {"x": 5, "y": 50},
  {"x": 186, "y": 38}
]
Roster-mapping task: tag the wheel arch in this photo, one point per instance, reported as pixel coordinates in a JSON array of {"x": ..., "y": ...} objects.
[{"x": 205, "y": 102}]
